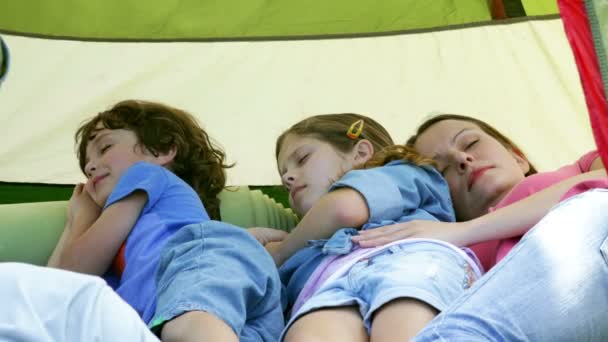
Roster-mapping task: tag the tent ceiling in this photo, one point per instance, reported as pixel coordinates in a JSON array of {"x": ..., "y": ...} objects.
[
  {"x": 245, "y": 19},
  {"x": 519, "y": 76}
]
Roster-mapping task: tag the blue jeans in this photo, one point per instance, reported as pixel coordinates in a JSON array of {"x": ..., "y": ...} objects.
[{"x": 553, "y": 286}]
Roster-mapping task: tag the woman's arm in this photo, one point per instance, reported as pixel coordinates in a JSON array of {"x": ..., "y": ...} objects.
[
  {"x": 341, "y": 208},
  {"x": 517, "y": 218},
  {"x": 597, "y": 164},
  {"x": 90, "y": 248},
  {"x": 510, "y": 221}
]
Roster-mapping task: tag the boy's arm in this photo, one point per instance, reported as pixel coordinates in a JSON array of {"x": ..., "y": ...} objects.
[
  {"x": 337, "y": 209},
  {"x": 90, "y": 248},
  {"x": 56, "y": 255}
]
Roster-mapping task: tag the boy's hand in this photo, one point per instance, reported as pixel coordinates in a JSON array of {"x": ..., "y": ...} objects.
[
  {"x": 266, "y": 235},
  {"x": 82, "y": 208},
  {"x": 82, "y": 212}
]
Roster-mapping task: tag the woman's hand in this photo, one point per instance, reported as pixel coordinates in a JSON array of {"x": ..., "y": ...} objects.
[
  {"x": 266, "y": 235},
  {"x": 457, "y": 233}
]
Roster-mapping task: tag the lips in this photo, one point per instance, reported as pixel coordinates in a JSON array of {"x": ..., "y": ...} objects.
[
  {"x": 474, "y": 176},
  {"x": 295, "y": 190},
  {"x": 98, "y": 179}
]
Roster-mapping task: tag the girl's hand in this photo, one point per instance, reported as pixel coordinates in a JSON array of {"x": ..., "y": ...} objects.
[
  {"x": 456, "y": 233},
  {"x": 266, "y": 235},
  {"x": 81, "y": 207},
  {"x": 273, "y": 248}
]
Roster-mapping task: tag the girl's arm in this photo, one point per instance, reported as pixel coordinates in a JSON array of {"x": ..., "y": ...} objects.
[
  {"x": 510, "y": 221},
  {"x": 337, "y": 209},
  {"x": 266, "y": 235},
  {"x": 91, "y": 247}
]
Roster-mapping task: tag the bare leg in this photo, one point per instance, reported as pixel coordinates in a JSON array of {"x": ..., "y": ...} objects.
[
  {"x": 401, "y": 319},
  {"x": 197, "y": 326},
  {"x": 338, "y": 324}
]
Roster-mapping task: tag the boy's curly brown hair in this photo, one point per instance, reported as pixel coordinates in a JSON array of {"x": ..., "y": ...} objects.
[{"x": 158, "y": 127}]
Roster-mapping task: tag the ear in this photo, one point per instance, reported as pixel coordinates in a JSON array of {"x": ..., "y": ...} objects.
[
  {"x": 521, "y": 160},
  {"x": 363, "y": 151},
  {"x": 166, "y": 158}
]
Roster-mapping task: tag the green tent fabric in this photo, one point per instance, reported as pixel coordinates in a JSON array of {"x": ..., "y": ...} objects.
[{"x": 252, "y": 19}]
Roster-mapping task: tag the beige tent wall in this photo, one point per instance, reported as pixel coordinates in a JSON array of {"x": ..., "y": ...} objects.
[{"x": 520, "y": 77}]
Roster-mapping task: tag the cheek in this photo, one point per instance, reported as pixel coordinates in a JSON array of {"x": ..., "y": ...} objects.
[
  {"x": 453, "y": 184},
  {"x": 293, "y": 207}
]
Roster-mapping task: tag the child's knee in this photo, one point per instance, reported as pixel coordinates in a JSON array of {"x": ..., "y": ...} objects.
[{"x": 197, "y": 326}]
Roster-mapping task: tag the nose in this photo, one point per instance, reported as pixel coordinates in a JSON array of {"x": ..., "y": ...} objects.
[
  {"x": 288, "y": 180},
  {"x": 89, "y": 168},
  {"x": 463, "y": 161}
]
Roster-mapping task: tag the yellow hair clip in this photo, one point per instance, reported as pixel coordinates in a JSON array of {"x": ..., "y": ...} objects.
[{"x": 355, "y": 129}]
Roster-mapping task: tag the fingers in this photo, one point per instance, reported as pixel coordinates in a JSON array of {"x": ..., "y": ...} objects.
[
  {"x": 88, "y": 187},
  {"x": 267, "y": 235},
  {"x": 275, "y": 235},
  {"x": 381, "y": 236},
  {"x": 78, "y": 189}
]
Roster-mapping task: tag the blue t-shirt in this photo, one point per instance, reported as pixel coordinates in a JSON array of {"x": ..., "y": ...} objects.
[
  {"x": 172, "y": 204},
  {"x": 396, "y": 192}
]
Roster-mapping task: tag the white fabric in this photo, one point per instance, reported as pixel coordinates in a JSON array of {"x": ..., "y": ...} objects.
[
  {"x": 43, "y": 304},
  {"x": 520, "y": 77}
]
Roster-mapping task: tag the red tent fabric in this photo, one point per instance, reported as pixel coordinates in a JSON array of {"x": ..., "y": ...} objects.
[{"x": 578, "y": 30}]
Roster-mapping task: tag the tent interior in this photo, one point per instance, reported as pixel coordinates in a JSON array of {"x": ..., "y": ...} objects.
[{"x": 249, "y": 69}]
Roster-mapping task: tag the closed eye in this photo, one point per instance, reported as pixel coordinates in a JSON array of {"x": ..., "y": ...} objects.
[
  {"x": 104, "y": 148},
  {"x": 303, "y": 159},
  {"x": 471, "y": 144}
]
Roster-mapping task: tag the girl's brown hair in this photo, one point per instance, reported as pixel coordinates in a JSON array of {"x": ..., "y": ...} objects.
[
  {"x": 398, "y": 152},
  {"x": 333, "y": 129},
  {"x": 493, "y": 132},
  {"x": 159, "y": 128}
]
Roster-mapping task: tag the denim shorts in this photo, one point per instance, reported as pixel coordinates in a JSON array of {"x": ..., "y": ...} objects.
[
  {"x": 428, "y": 272},
  {"x": 222, "y": 270}
]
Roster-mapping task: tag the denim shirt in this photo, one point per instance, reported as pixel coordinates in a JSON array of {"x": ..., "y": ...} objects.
[
  {"x": 339, "y": 243},
  {"x": 396, "y": 192}
]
